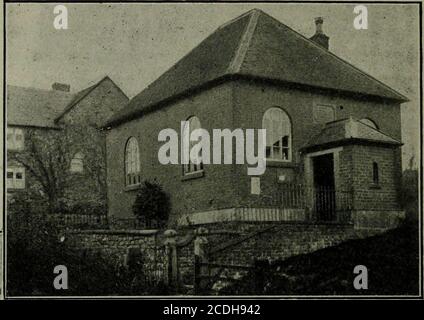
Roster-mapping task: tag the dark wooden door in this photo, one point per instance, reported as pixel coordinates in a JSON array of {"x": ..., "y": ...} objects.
[{"x": 324, "y": 187}]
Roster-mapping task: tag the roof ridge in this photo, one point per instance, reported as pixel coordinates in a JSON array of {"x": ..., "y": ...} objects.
[
  {"x": 336, "y": 56},
  {"x": 237, "y": 60},
  {"x": 250, "y": 12}
]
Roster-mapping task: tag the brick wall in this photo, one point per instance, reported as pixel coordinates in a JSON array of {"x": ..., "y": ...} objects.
[
  {"x": 252, "y": 99},
  {"x": 98, "y": 106},
  {"x": 231, "y": 105},
  {"x": 214, "y": 190},
  {"x": 368, "y": 196}
]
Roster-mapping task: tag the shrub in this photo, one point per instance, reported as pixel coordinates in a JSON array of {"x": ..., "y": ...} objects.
[
  {"x": 35, "y": 247},
  {"x": 152, "y": 204},
  {"x": 26, "y": 203}
]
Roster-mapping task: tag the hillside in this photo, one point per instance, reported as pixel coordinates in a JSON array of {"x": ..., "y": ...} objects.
[{"x": 391, "y": 259}]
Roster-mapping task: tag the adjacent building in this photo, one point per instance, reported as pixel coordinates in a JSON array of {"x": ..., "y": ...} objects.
[{"x": 56, "y": 148}]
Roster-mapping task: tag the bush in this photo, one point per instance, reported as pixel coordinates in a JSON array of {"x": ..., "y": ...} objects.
[
  {"x": 35, "y": 246},
  {"x": 152, "y": 204},
  {"x": 26, "y": 203}
]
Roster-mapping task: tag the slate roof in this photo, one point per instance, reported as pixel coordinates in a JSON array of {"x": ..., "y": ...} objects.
[
  {"x": 255, "y": 45},
  {"x": 35, "y": 107},
  {"x": 347, "y": 131},
  {"x": 39, "y": 107}
]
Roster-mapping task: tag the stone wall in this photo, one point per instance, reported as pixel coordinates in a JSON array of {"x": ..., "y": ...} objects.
[
  {"x": 117, "y": 245},
  {"x": 286, "y": 240},
  {"x": 231, "y": 243}
]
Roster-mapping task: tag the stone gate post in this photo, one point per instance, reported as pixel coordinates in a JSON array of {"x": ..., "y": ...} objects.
[
  {"x": 200, "y": 258},
  {"x": 171, "y": 257}
]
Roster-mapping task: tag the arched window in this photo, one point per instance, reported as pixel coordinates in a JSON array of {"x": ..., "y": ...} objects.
[
  {"x": 132, "y": 162},
  {"x": 369, "y": 122},
  {"x": 192, "y": 124},
  {"x": 278, "y": 134},
  {"x": 77, "y": 163},
  {"x": 375, "y": 177}
]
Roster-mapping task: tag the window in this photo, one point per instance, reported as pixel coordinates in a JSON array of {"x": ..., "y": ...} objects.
[
  {"x": 132, "y": 162},
  {"x": 278, "y": 134},
  {"x": 323, "y": 113},
  {"x": 15, "y": 139},
  {"x": 15, "y": 178},
  {"x": 77, "y": 164},
  {"x": 192, "y": 124},
  {"x": 375, "y": 178},
  {"x": 369, "y": 122}
]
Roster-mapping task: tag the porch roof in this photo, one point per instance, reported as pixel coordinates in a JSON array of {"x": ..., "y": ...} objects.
[{"x": 348, "y": 131}]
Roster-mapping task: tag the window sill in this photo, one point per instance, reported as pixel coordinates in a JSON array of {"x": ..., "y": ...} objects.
[
  {"x": 132, "y": 187},
  {"x": 193, "y": 175},
  {"x": 375, "y": 187},
  {"x": 280, "y": 164}
]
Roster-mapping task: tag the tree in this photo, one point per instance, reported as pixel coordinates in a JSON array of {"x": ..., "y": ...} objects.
[
  {"x": 152, "y": 203},
  {"x": 47, "y": 157}
]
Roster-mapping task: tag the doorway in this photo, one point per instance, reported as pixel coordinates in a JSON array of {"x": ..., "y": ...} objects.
[{"x": 324, "y": 187}]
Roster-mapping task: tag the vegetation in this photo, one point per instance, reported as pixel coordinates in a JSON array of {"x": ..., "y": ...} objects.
[
  {"x": 409, "y": 195},
  {"x": 35, "y": 247},
  {"x": 152, "y": 204},
  {"x": 47, "y": 158}
]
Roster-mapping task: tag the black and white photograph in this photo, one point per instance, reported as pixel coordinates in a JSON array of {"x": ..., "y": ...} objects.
[{"x": 188, "y": 149}]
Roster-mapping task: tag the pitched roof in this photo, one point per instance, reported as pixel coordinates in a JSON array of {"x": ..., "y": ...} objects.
[
  {"x": 42, "y": 108},
  {"x": 82, "y": 94},
  {"x": 35, "y": 107},
  {"x": 347, "y": 131},
  {"x": 255, "y": 45}
]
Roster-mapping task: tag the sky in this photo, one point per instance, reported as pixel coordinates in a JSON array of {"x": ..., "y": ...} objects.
[{"x": 134, "y": 43}]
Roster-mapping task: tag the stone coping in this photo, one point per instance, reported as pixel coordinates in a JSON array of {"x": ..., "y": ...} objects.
[{"x": 146, "y": 233}]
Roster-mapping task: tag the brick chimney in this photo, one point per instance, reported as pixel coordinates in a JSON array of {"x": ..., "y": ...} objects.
[
  {"x": 319, "y": 37},
  {"x": 61, "y": 87}
]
